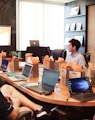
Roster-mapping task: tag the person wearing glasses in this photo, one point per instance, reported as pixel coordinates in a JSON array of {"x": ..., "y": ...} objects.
[{"x": 11, "y": 100}]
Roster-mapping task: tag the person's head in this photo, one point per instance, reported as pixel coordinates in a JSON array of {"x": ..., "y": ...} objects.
[{"x": 74, "y": 45}]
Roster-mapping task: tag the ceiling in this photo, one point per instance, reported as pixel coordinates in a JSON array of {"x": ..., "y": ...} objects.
[{"x": 59, "y": 1}]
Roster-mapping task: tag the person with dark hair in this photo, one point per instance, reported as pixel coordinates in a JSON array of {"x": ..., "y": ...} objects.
[
  {"x": 11, "y": 100},
  {"x": 75, "y": 56}
]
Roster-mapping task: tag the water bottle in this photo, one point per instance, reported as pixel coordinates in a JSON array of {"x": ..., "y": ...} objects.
[
  {"x": 57, "y": 89},
  {"x": 19, "y": 54}
]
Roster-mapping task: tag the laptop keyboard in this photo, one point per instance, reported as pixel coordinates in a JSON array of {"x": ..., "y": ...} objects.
[
  {"x": 40, "y": 89},
  {"x": 20, "y": 77},
  {"x": 85, "y": 97}
]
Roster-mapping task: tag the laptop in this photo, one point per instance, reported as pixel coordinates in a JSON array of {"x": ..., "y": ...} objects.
[
  {"x": 49, "y": 80},
  {"x": 4, "y": 65},
  {"x": 34, "y": 42},
  {"x": 80, "y": 89},
  {"x": 24, "y": 75}
]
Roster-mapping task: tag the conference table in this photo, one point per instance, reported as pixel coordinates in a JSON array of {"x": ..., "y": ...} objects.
[{"x": 60, "y": 98}]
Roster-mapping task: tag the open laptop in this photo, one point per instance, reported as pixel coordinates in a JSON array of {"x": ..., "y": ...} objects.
[
  {"x": 49, "y": 80},
  {"x": 81, "y": 89},
  {"x": 4, "y": 65},
  {"x": 34, "y": 42},
  {"x": 24, "y": 75}
]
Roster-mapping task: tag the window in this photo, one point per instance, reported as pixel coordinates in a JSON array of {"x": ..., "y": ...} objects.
[{"x": 39, "y": 21}]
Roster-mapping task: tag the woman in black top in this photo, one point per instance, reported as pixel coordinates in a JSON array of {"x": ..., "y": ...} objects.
[
  {"x": 5, "y": 107},
  {"x": 11, "y": 100}
]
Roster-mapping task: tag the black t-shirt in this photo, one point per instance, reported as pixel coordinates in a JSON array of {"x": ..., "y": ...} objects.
[
  {"x": 2, "y": 82},
  {"x": 5, "y": 107}
]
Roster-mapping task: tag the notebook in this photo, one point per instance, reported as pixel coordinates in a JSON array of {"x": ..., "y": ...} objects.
[
  {"x": 81, "y": 89},
  {"x": 24, "y": 75},
  {"x": 4, "y": 65},
  {"x": 49, "y": 80},
  {"x": 34, "y": 42}
]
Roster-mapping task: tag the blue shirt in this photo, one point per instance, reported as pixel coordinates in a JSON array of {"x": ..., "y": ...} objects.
[{"x": 77, "y": 58}]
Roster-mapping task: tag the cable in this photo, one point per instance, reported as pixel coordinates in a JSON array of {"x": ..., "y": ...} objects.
[{"x": 67, "y": 101}]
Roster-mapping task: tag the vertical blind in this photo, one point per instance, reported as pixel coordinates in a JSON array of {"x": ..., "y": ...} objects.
[{"x": 39, "y": 21}]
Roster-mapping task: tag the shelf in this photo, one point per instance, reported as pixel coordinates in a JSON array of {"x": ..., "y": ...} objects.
[
  {"x": 75, "y": 26},
  {"x": 75, "y": 31},
  {"x": 81, "y": 15}
]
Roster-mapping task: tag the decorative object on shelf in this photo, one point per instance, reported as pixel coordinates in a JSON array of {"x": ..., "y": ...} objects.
[
  {"x": 75, "y": 17},
  {"x": 67, "y": 27},
  {"x": 74, "y": 11},
  {"x": 79, "y": 26},
  {"x": 80, "y": 38},
  {"x": 73, "y": 27},
  {"x": 67, "y": 41}
]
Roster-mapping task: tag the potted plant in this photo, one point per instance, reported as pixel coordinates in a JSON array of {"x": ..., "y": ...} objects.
[{"x": 13, "y": 53}]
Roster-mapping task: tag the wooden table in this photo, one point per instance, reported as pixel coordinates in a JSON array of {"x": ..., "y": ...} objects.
[{"x": 61, "y": 98}]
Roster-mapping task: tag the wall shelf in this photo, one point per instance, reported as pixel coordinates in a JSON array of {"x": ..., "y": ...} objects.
[
  {"x": 75, "y": 26},
  {"x": 79, "y": 15}
]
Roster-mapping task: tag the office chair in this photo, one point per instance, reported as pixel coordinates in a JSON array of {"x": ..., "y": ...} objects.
[
  {"x": 87, "y": 58},
  {"x": 25, "y": 114},
  {"x": 58, "y": 53}
]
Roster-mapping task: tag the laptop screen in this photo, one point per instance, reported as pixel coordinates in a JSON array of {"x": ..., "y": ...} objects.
[
  {"x": 79, "y": 85},
  {"x": 4, "y": 64},
  {"x": 34, "y": 42},
  {"x": 27, "y": 70},
  {"x": 50, "y": 77}
]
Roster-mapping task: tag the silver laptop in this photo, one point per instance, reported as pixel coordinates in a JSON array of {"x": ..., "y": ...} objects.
[
  {"x": 34, "y": 42},
  {"x": 24, "y": 75},
  {"x": 49, "y": 80},
  {"x": 80, "y": 89}
]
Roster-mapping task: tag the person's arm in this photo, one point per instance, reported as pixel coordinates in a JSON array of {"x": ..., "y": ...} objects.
[{"x": 16, "y": 106}]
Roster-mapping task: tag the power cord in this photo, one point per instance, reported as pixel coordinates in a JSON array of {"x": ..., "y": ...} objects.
[{"x": 67, "y": 100}]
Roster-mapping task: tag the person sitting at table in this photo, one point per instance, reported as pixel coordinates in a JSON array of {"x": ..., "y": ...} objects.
[
  {"x": 11, "y": 100},
  {"x": 75, "y": 56}
]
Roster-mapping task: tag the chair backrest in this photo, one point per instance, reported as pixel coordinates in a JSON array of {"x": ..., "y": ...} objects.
[
  {"x": 25, "y": 114},
  {"x": 87, "y": 58},
  {"x": 58, "y": 53}
]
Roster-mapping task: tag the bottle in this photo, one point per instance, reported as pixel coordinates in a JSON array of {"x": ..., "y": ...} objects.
[
  {"x": 57, "y": 89},
  {"x": 19, "y": 54}
]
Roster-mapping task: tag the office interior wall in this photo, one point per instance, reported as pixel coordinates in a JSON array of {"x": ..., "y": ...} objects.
[
  {"x": 8, "y": 17},
  {"x": 90, "y": 27},
  {"x": 91, "y": 32}
]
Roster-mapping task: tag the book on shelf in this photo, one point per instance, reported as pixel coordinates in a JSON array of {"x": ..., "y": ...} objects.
[
  {"x": 74, "y": 11},
  {"x": 79, "y": 26},
  {"x": 67, "y": 39},
  {"x": 67, "y": 27},
  {"x": 73, "y": 27},
  {"x": 80, "y": 38}
]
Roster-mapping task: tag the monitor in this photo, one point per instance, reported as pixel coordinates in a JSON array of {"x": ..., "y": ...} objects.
[{"x": 5, "y": 35}]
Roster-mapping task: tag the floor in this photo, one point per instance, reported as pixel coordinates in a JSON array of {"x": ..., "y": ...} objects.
[{"x": 71, "y": 113}]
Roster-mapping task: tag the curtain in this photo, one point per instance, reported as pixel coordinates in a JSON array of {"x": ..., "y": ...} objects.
[{"x": 39, "y": 21}]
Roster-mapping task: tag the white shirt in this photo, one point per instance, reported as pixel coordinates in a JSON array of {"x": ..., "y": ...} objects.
[{"x": 77, "y": 58}]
